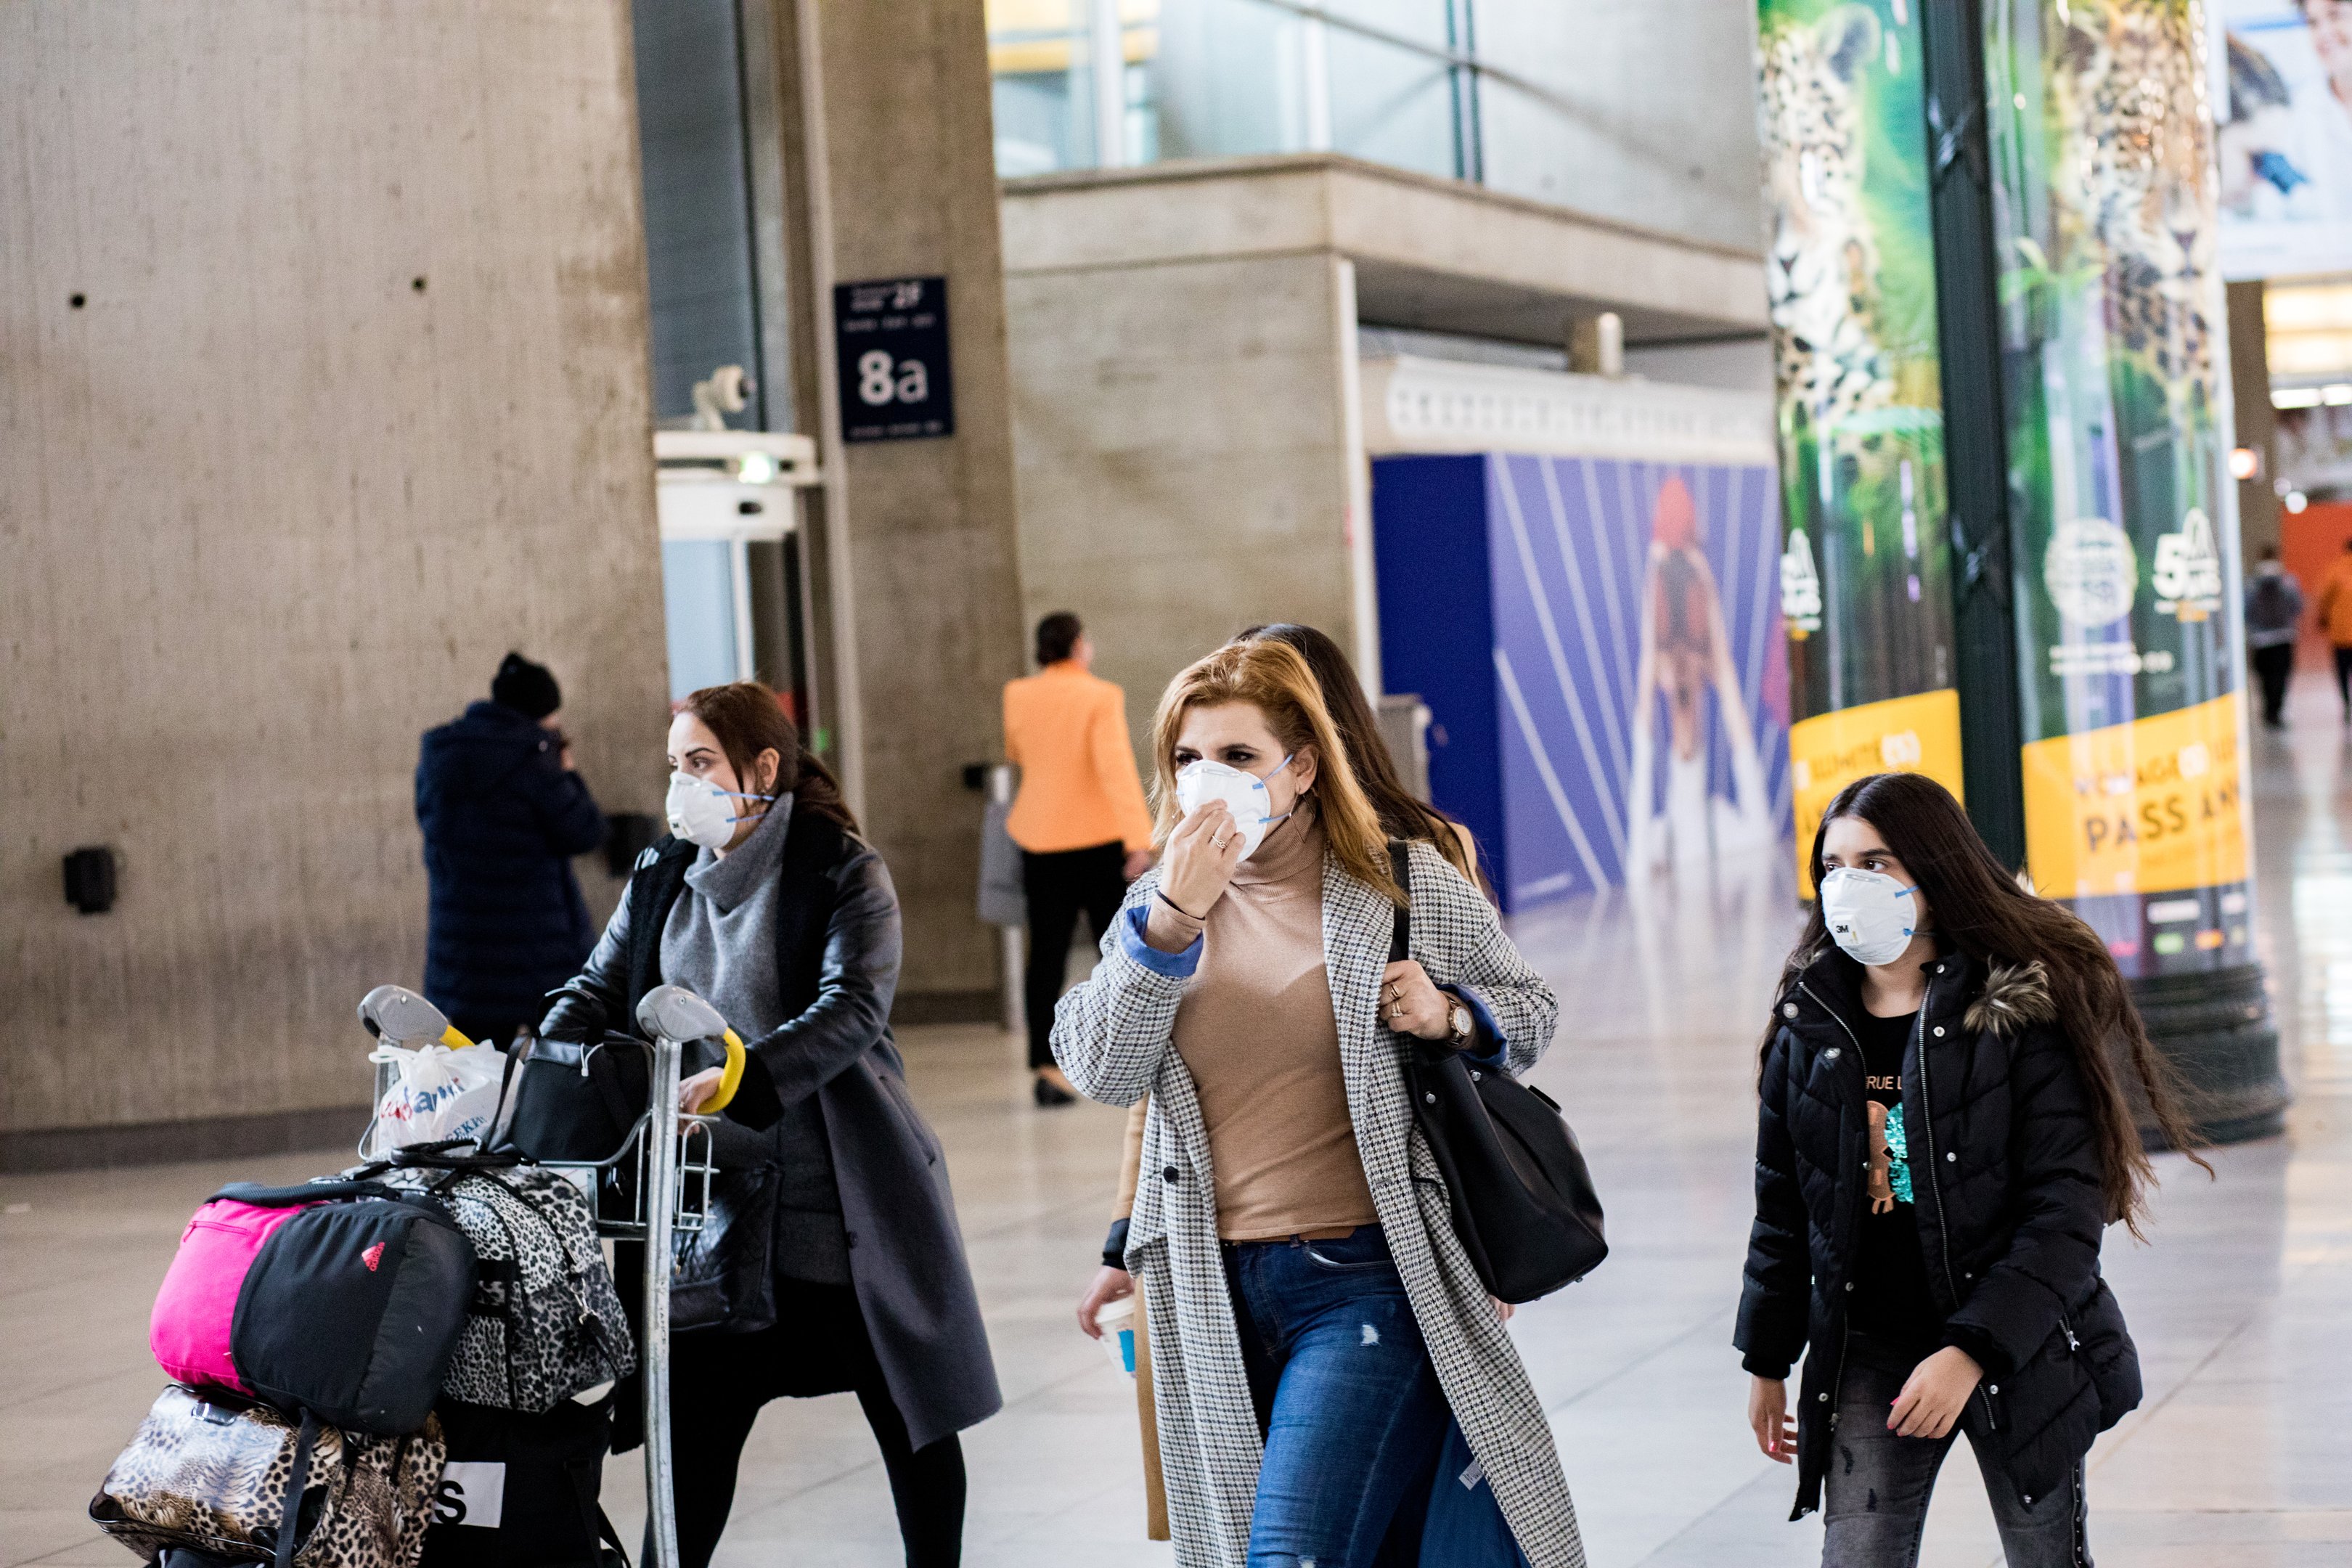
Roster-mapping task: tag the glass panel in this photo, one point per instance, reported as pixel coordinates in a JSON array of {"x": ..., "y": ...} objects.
[
  {"x": 1044, "y": 88},
  {"x": 1393, "y": 81},
  {"x": 698, "y": 607},
  {"x": 1390, "y": 104}
]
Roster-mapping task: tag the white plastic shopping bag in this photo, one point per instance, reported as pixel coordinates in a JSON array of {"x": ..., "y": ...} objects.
[{"x": 437, "y": 1093}]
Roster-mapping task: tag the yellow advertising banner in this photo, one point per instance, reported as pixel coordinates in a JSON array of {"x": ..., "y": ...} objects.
[
  {"x": 1918, "y": 734},
  {"x": 2153, "y": 806}
]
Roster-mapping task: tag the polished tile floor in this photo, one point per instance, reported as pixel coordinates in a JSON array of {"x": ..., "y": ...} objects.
[{"x": 2241, "y": 1455}]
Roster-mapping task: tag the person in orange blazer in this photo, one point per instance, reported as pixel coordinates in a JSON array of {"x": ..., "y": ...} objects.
[
  {"x": 1079, "y": 819},
  {"x": 2335, "y": 620}
]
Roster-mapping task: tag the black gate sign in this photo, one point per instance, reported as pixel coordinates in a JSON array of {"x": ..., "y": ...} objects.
[{"x": 892, "y": 340}]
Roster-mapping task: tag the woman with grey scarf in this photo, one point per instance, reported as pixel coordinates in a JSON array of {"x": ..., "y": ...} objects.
[{"x": 766, "y": 902}]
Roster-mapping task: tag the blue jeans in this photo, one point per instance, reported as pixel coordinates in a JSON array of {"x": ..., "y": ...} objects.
[
  {"x": 1876, "y": 1498},
  {"x": 1345, "y": 1394}
]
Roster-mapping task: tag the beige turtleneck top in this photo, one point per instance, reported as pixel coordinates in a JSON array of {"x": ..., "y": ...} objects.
[{"x": 1256, "y": 1031}]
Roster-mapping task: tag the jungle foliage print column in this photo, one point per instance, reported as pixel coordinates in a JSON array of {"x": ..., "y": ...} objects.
[
  {"x": 1850, "y": 266},
  {"x": 2123, "y": 515}
]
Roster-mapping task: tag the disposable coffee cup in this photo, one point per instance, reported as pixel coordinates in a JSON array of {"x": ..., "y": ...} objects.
[{"x": 1117, "y": 1321}]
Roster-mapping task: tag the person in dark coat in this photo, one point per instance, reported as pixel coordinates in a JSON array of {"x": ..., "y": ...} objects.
[
  {"x": 766, "y": 902},
  {"x": 1944, "y": 1136},
  {"x": 503, "y": 813}
]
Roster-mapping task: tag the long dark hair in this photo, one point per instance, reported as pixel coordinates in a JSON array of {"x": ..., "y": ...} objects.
[
  {"x": 748, "y": 719},
  {"x": 1401, "y": 816},
  {"x": 1978, "y": 908}
]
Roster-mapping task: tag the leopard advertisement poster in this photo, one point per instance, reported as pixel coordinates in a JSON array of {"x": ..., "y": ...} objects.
[
  {"x": 2122, "y": 516},
  {"x": 1850, "y": 266}
]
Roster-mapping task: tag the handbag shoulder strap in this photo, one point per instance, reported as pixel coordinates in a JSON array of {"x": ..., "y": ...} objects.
[
  {"x": 297, "y": 1481},
  {"x": 1400, "y": 932}
]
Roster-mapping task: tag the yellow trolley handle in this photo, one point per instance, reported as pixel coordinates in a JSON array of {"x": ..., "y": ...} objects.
[
  {"x": 730, "y": 1077},
  {"x": 453, "y": 1039}
]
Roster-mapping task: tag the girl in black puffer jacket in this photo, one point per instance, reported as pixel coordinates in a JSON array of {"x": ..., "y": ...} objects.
[{"x": 1944, "y": 1136}]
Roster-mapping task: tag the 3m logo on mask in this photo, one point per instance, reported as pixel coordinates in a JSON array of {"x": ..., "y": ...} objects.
[{"x": 1868, "y": 914}]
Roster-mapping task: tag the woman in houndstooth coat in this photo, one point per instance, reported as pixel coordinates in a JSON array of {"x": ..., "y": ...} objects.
[{"x": 1314, "y": 1320}]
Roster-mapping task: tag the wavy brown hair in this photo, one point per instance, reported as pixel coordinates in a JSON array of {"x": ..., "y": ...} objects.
[
  {"x": 1402, "y": 815},
  {"x": 1276, "y": 679},
  {"x": 749, "y": 719},
  {"x": 1978, "y": 908}
]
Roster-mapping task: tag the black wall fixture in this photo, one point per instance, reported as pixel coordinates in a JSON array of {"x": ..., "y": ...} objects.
[{"x": 90, "y": 879}]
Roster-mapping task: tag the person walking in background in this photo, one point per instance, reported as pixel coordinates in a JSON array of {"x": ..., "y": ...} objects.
[
  {"x": 2335, "y": 620},
  {"x": 503, "y": 812},
  {"x": 2274, "y": 612},
  {"x": 1080, "y": 818}
]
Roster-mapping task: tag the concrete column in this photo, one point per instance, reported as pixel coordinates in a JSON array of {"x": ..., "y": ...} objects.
[
  {"x": 1184, "y": 462},
  {"x": 325, "y": 326},
  {"x": 890, "y": 171}
]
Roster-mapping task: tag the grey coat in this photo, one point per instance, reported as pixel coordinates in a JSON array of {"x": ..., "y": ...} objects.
[
  {"x": 1113, "y": 1037},
  {"x": 837, "y": 950}
]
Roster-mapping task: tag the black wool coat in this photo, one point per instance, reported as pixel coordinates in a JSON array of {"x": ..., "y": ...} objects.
[
  {"x": 837, "y": 952},
  {"x": 2006, "y": 1171},
  {"x": 501, "y": 820}
]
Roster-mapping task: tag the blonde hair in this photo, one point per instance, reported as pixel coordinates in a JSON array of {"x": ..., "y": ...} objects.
[{"x": 1272, "y": 678}]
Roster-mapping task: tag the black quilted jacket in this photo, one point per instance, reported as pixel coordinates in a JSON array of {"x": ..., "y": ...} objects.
[{"x": 2006, "y": 1168}]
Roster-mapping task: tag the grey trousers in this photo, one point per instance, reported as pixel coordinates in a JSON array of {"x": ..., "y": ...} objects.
[{"x": 1875, "y": 1502}]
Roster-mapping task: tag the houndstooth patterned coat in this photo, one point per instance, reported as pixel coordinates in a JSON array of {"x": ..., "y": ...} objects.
[{"x": 1113, "y": 1037}]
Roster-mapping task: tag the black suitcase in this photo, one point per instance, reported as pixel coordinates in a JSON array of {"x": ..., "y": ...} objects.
[{"x": 521, "y": 1491}]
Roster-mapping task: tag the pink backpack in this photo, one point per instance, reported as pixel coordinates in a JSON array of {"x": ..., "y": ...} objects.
[
  {"x": 196, "y": 1308},
  {"x": 340, "y": 1299}
]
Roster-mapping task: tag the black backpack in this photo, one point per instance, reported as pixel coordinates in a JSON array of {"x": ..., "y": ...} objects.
[
  {"x": 2273, "y": 609},
  {"x": 523, "y": 1491},
  {"x": 1523, "y": 1202},
  {"x": 352, "y": 1309}
]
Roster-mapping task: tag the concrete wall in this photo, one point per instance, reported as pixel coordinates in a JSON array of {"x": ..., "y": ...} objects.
[
  {"x": 928, "y": 580},
  {"x": 1182, "y": 460},
  {"x": 324, "y": 329}
]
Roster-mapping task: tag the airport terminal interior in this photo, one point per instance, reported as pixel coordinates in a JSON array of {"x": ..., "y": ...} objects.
[{"x": 1675, "y": 414}]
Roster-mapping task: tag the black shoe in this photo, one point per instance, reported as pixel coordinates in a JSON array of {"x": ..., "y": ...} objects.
[{"x": 1048, "y": 1094}]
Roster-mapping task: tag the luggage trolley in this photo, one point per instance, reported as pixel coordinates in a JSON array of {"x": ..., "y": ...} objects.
[{"x": 672, "y": 1187}]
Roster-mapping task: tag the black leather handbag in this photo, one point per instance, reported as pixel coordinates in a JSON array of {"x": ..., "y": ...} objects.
[
  {"x": 723, "y": 1275},
  {"x": 1523, "y": 1202},
  {"x": 572, "y": 1099}
]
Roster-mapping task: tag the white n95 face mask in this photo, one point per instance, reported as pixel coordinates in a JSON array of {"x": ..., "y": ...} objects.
[
  {"x": 1869, "y": 914},
  {"x": 701, "y": 812},
  {"x": 1244, "y": 795}
]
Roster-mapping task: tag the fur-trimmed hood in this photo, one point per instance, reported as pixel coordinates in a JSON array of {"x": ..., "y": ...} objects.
[{"x": 2015, "y": 996}]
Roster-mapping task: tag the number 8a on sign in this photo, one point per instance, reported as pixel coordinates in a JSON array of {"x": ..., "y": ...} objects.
[{"x": 881, "y": 381}]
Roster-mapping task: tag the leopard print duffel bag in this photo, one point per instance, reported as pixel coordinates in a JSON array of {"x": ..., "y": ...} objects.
[
  {"x": 545, "y": 1323},
  {"x": 215, "y": 1478}
]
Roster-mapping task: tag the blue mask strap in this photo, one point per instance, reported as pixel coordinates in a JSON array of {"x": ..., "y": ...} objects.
[
  {"x": 739, "y": 794},
  {"x": 1286, "y": 762}
]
